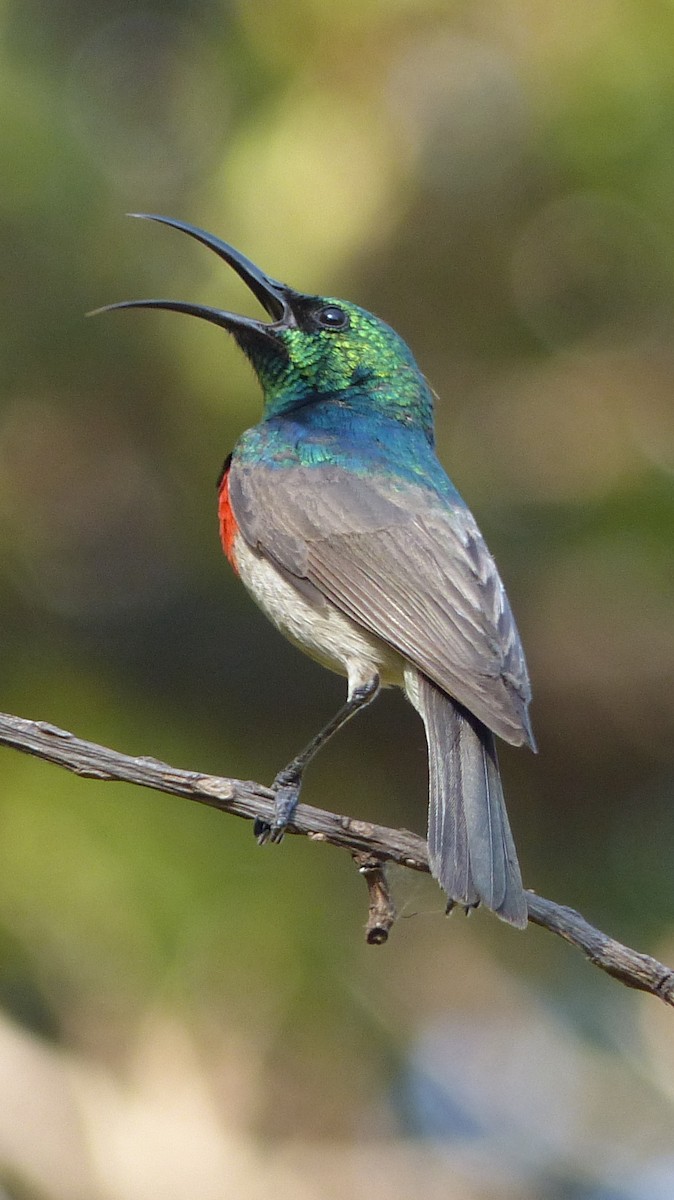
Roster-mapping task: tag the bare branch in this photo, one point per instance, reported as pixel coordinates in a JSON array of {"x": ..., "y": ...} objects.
[{"x": 371, "y": 845}]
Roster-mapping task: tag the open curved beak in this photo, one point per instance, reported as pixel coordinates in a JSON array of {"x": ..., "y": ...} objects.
[{"x": 273, "y": 296}]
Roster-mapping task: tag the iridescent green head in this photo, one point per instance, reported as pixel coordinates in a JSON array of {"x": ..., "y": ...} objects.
[
  {"x": 332, "y": 351},
  {"x": 315, "y": 350}
]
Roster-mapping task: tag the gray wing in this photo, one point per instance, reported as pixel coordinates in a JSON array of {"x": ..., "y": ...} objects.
[{"x": 409, "y": 567}]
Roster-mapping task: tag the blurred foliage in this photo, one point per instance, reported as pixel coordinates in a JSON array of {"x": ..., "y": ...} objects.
[{"x": 187, "y": 1015}]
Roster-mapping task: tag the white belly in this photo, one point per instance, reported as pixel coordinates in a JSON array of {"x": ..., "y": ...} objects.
[{"x": 324, "y": 633}]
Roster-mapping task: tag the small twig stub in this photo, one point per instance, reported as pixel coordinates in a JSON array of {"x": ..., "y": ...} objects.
[{"x": 381, "y": 911}]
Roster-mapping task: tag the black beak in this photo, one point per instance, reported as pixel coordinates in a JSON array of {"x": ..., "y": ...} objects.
[{"x": 273, "y": 296}]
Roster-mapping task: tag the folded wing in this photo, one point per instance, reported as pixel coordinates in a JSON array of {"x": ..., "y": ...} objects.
[{"x": 404, "y": 562}]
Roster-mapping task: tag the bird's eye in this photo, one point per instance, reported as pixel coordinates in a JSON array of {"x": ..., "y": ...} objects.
[{"x": 332, "y": 317}]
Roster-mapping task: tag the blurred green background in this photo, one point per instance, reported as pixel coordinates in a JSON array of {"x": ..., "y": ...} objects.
[{"x": 185, "y": 1015}]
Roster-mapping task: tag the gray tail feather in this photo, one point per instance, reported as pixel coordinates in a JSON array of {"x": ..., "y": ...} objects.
[{"x": 470, "y": 846}]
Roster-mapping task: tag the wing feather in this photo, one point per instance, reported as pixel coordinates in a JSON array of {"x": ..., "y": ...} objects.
[{"x": 404, "y": 562}]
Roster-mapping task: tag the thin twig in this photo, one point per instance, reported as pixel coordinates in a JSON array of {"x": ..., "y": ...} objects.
[{"x": 372, "y": 845}]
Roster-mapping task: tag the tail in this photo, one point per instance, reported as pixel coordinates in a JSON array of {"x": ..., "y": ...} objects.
[{"x": 470, "y": 847}]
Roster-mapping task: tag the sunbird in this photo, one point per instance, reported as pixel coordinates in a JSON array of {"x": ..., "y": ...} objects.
[{"x": 339, "y": 519}]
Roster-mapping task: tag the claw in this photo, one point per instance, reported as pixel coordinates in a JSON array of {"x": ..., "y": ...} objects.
[
  {"x": 285, "y": 803},
  {"x": 286, "y": 788},
  {"x": 262, "y": 830}
]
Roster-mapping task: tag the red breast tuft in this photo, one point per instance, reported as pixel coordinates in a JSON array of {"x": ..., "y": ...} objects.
[{"x": 228, "y": 525}]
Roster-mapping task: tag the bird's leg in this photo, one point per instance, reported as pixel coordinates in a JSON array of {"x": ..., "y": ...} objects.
[{"x": 288, "y": 782}]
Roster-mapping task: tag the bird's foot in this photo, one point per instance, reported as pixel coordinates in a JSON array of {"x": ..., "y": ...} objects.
[
  {"x": 286, "y": 788},
  {"x": 467, "y": 908}
]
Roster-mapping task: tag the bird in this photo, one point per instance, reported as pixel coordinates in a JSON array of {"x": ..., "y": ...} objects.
[{"x": 338, "y": 517}]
